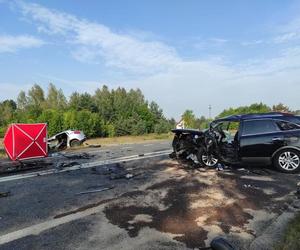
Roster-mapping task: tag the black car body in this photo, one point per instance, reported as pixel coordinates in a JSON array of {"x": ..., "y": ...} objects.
[{"x": 268, "y": 138}]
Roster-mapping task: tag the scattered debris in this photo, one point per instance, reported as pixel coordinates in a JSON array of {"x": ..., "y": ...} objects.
[
  {"x": 61, "y": 165},
  {"x": 298, "y": 190},
  {"x": 4, "y": 194},
  {"x": 115, "y": 171},
  {"x": 220, "y": 243},
  {"x": 93, "y": 145},
  {"x": 140, "y": 155},
  {"x": 219, "y": 167},
  {"x": 78, "y": 156},
  {"x": 123, "y": 176},
  {"x": 193, "y": 158},
  {"x": 96, "y": 190}
]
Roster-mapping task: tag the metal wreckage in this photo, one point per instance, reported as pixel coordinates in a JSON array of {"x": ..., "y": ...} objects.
[{"x": 262, "y": 139}]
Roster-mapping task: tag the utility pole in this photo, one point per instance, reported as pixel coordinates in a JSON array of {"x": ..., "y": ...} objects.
[{"x": 209, "y": 111}]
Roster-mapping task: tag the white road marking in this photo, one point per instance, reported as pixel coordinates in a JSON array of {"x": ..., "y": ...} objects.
[
  {"x": 126, "y": 148},
  {"x": 38, "y": 228},
  {"x": 147, "y": 145},
  {"x": 85, "y": 165}
]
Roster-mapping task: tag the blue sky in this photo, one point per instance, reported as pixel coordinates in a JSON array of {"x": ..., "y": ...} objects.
[{"x": 182, "y": 54}]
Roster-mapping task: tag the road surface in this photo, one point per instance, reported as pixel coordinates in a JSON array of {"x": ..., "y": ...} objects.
[{"x": 149, "y": 202}]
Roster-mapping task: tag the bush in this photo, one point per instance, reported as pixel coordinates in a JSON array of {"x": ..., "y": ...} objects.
[
  {"x": 162, "y": 127},
  {"x": 90, "y": 123}
]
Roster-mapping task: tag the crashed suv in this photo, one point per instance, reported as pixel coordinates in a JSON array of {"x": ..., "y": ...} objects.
[{"x": 267, "y": 138}]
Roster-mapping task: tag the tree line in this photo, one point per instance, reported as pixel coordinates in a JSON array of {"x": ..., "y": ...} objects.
[
  {"x": 191, "y": 121},
  {"x": 106, "y": 113}
]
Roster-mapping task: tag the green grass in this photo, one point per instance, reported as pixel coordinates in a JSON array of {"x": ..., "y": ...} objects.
[
  {"x": 2, "y": 153},
  {"x": 291, "y": 239}
]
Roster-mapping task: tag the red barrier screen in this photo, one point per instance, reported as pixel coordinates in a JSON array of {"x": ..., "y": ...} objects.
[{"x": 26, "y": 141}]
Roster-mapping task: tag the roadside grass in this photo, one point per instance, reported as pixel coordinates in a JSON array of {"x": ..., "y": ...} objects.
[
  {"x": 110, "y": 141},
  {"x": 2, "y": 153},
  {"x": 291, "y": 238}
]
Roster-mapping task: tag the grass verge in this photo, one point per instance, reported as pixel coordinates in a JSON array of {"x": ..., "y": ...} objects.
[
  {"x": 113, "y": 140},
  {"x": 129, "y": 139},
  {"x": 291, "y": 238}
]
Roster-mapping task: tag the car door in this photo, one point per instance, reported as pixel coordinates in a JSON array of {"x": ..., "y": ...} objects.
[
  {"x": 291, "y": 133},
  {"x": 259, "y": 139}
]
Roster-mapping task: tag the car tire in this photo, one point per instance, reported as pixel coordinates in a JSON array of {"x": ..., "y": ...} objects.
[
  {"x": 287, "y": 160},
  {"x": 75, "y": 143},
  {"x": 206, "y": 160}
]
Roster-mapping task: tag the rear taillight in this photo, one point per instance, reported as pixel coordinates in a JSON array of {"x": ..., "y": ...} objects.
[{"x": 76, "y": 132}]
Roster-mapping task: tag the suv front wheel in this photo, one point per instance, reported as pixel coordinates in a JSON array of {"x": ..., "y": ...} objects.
[
  {"x": 287, "y": 160},
  {"x": 206, "y": 159}
]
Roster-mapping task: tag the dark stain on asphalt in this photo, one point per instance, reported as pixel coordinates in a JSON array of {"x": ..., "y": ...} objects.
[
  {"x": 83, "y": 208},
  {"x": 179, "y": 218}
]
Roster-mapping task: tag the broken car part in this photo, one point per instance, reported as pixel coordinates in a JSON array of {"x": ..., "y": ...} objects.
[{"x": 96, "y": 190}]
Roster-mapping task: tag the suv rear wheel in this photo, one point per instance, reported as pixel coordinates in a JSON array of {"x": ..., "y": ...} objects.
[{"x": 287, "y": 160}]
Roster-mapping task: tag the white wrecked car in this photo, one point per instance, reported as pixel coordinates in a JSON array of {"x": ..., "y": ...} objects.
[{"x": 66, "y": 139}]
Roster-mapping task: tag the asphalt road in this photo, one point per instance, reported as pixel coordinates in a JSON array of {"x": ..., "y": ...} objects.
[{"x": 151, "y": 202}]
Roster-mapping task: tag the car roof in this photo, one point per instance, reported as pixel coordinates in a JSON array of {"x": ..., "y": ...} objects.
[{"x": 271, "y": 115}]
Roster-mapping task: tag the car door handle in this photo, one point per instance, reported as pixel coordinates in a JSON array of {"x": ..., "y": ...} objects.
[{"x": 275, "y": 139}]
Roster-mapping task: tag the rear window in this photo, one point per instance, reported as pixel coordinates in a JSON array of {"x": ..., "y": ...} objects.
[
  {"x": 259, "y": 127},
  {"x": 283, "y": 125}
]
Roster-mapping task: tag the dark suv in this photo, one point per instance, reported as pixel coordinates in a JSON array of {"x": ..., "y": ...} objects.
[{"x": 252, "y": 138}]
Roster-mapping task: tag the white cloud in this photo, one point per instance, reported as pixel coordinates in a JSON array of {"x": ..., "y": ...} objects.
[
  {"x": 95, "y": 41},
  {"x": 164, "y": 76},
  {"x": 14, "y": 43}
]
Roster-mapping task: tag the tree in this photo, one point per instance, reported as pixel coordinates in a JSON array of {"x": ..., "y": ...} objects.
[
  {"x": 253, "y": 108},
  {"x": 104, "y": 103},
  {"x": 189, "y": 118},
  {"x": 22, "y": 100},
  {"x": 82, "y": 102},
  {"x": 280, "y": 108},
  {"x": 7, "y": 111},
  {"x": 36, "y": 96},
  {"x": 56, "y": 98}
]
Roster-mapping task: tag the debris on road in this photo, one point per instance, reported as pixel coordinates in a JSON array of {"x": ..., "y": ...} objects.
[
  {"x": 220, "y": 243},
  {"x": 123, "y": 176},
  {"x": 298, "y": 190},
  {"x": 96, "y": 190},
  {"x": 4, "y": 194},
  {"x": 115, "y": 171},
  {"x": 85, "y": 156},
  {"x": 219, "y": 167},
  {"x": 93, "y": 145},
  {"x": 193, "y": 158},
  {"x": 61, "y": 165}
]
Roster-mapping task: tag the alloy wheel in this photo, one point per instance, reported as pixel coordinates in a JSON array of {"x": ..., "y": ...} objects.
[
  {"x": 289, "y": 161},
  {"x": 209, "y": 160}
]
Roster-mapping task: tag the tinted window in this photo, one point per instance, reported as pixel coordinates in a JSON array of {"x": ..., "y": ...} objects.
[
  {"x": 259, "y": 127},
  {"x": 287, "y": 125}
]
